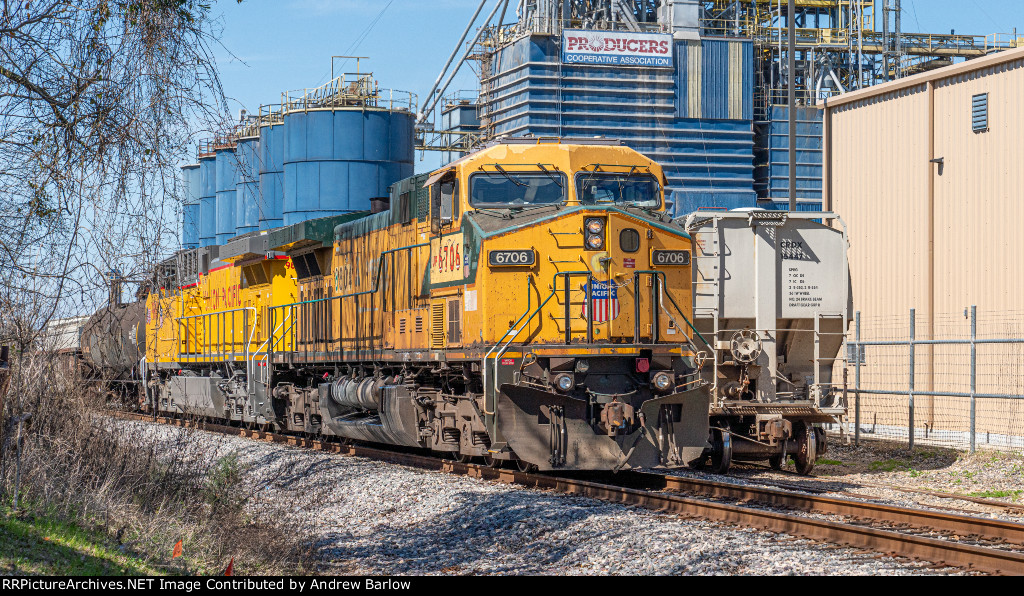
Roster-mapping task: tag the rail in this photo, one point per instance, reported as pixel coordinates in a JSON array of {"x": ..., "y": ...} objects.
[
  {"x": 264, "y": 360},
  {"x": 922, "y": 44}
]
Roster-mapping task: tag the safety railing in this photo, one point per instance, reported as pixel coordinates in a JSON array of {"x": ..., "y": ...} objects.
[
  {"x": 312, "y": 326},
  {"x": 215, "y": 336},
  {"x": 950, "y": 370},
  {"x": 658, "y": 292},
  {"x": 271, "y": 114},
  {"x": 348, "y": 90},
  {"x": 657, "y": 295}
]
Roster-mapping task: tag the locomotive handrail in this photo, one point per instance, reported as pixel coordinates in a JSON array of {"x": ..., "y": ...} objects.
[
  {"x": 509, "y": 342},
  {"x": 364, "y": 293},
  {"x": 568, "y": 275},
  {"x": 517, "y": 329},
  {"x": 245, "y": 324},
  {"x": 376, "y": 288},
  {"x": 270, "y": 344},
  {"x": 664, "y": 285},
  {"x": 529, "y": 303}
]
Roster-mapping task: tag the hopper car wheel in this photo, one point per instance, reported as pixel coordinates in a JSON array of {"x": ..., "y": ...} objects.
[
  {"x": 493, "y": 462},
  {"x": 776, "y": 461},
  {"x": 807, "y": 452},
  {"x": 721, "y": 451},
  {"x": 462, "y": 458}
]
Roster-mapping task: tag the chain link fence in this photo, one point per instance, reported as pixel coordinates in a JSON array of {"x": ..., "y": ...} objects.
[{"x": 957, "y": 381}]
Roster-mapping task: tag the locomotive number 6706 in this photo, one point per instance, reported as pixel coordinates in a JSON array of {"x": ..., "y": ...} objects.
[
  {"x": 512, "y": 258},
  {"x": 670, "y": 258}
]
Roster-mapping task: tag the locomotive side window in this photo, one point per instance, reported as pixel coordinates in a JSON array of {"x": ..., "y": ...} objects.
[
  {"x": 445, "y": 199},
  {"x": 405, "y": 208}
]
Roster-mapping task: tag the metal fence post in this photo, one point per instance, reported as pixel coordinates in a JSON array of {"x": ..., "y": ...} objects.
[
  {"x": 910, "y": 402},
  {"x": 859, "y": 355},
  {"x": 974, "y": 376}
]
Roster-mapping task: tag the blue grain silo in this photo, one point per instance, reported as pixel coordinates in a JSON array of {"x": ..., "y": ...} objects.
[
  {"x": 247, "y": 197},
  {"x": 190, "y": 212},
  {"x": 227, "y": 189},
  {"x": 207, "y": 194},
  {"x": 271, "y": 171},
  {"x": 343, "y": 146}
]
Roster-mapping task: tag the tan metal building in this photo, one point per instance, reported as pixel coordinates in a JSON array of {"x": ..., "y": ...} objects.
[
  {"x": 928, "y": 173},
  {"x": 935, "y": 204}
]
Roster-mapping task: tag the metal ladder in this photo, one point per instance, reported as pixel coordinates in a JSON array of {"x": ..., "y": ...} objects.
[{"x": 716, "y": 289}]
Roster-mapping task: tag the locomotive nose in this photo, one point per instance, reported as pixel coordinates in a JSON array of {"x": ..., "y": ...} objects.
[{"x": 555, "y": 432}]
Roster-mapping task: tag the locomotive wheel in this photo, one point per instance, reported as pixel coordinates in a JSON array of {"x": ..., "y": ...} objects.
[
  {"x": 721, "y": 451},
  {"x": 807, "y": 451},
  {"x": 525, "y": 466},
  {"x": 776, "y": 461}
]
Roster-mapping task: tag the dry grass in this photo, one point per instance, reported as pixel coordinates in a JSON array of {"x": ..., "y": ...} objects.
[{"x": 144, "y": 494}]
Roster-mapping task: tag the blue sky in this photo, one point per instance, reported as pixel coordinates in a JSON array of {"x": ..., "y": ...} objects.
[{"x": 271, "y": 46}]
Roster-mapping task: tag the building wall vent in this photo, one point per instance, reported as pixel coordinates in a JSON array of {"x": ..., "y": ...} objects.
[{"x": 979, "y": 113}]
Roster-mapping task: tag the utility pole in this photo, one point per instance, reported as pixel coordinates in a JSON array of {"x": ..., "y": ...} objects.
[
  {"x": 791, "y": 20},
  {"x": 886, "y": 48}
]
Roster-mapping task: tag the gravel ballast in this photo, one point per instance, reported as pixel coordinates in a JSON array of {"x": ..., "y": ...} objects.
[{"x": 368, "y": 517}]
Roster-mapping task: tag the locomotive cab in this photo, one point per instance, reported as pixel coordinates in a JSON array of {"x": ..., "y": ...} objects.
[{"x": 559, "y": 263}]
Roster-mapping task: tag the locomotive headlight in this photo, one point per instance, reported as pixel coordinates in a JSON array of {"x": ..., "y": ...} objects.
[
  {"x": 595, "y": 228},
  {"x": 662, "y": 381},
  {"x": 565, "y": 382}
]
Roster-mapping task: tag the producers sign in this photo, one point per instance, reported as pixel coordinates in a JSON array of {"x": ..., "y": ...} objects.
[{"x": 617, "y": 48}]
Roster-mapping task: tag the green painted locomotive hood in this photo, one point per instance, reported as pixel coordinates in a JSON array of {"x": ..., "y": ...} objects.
[{"x": 313, "y": 233}]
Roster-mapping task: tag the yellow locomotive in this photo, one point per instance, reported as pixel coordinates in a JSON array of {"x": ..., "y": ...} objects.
[{"x": 530, "y": 302}]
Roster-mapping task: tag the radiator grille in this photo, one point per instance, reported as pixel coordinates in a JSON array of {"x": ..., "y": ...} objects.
[{"x": 437, "y": 326}]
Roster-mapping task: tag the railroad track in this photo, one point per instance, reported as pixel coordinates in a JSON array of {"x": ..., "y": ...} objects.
[
  {"x": 1013, "y": 508},
  {"x": 952, "y": 540}
]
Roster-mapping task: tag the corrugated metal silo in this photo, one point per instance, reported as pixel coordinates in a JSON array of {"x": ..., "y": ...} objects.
[
  {"x": 271, "y": 168},
  {"x": 344, "y": 144},
  {"x": 247, "y": 198},
  {"x": 227, "y": 190},
  {"x": 772, "y": 159},
  {"x": 696, "y": 119},
  {"x": 191, "y": 211},
  {"x": 207, "y": 194}
]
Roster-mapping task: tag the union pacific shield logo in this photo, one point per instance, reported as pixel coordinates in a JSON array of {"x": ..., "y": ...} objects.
[{"x": 605, "y": 299}]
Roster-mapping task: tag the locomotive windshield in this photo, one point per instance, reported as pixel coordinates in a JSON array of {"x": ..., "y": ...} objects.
[
  {"x": 517, "y": 189},
  {"x": 640, "y": 190}
]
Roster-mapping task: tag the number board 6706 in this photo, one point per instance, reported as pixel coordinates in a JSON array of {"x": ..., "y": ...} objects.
[
  {"x": 670, "y": 258},
  {"x": 512, "y": 258}
]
